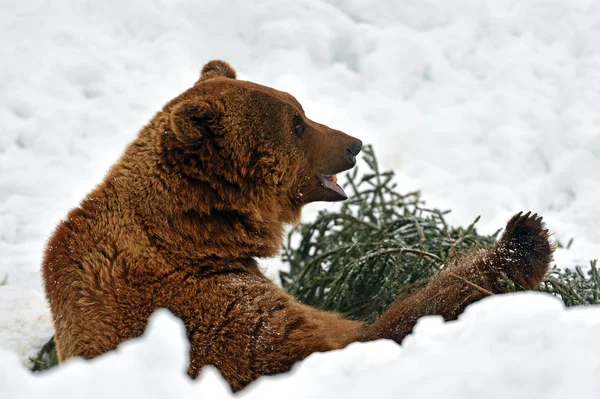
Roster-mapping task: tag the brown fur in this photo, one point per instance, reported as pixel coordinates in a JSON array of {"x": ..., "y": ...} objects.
[{"x": 204, "y": 190}]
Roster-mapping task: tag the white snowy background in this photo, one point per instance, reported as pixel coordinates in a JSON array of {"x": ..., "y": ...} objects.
[{"x": 489, "y": 107}]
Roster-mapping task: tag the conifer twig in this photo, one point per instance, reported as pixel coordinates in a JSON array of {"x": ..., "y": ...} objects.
[{"x": 471, "y": 284}]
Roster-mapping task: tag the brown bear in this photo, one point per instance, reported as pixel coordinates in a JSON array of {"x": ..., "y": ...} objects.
[{"x": 205, "y": 189}]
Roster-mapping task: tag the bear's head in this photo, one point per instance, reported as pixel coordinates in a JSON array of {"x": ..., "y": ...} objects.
[{"x": 250, "y": 142}]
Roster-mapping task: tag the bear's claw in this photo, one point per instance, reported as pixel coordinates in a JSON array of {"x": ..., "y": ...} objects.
[
  {"x": 525, "y": 229},
  {"x": 526, "y": 248}
]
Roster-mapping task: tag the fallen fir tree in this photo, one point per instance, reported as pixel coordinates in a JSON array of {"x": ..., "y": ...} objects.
[{"x": 381, "y": 245}]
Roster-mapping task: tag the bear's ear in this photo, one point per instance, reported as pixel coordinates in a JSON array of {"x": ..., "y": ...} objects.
[
  {"x": 194, "y": 120},
  {"x": 216, "y": 68}
]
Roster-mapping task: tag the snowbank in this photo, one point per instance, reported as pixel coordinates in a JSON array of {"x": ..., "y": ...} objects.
[{"x": 513, "y": 346}]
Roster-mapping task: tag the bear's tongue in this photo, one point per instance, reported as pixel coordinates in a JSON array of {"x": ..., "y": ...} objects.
[{"x": 330, "y": 182}]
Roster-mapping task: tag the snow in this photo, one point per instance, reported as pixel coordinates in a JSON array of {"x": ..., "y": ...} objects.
[
  {"x": 517, "y": 346},
  {"x": 513, "y": 346},
  {"x": 488, "y": 107}
]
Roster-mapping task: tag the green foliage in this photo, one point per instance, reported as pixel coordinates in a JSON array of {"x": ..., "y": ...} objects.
[
  {"x": 382, "y": 244},
  {"x": 575, "y": 287},
  {"x": 46, "y": 357},
  {"x": 357, "y": 260}
]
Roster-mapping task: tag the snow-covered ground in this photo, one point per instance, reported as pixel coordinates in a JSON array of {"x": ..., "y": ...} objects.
[
  {"x": 516, "y": 346},
  {"x": 490, "y": 107}
]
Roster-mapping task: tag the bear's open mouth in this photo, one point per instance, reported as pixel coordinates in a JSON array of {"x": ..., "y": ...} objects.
[{"x": 330, "y": 182}]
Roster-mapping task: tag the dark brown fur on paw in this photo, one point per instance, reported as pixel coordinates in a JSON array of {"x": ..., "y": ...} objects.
[{"x": 526, "y": 249}]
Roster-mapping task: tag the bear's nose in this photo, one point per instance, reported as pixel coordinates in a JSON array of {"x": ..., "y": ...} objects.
[
  {"x": 353, "y": 150},
  {"x": 355, "y": 147}
]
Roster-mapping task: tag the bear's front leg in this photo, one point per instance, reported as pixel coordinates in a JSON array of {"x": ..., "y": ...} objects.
[{"x": 522, "y": 255}]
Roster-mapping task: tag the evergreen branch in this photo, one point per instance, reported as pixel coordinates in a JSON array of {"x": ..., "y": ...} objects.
[
  {"x": 382, "y": 245},
  {"x": 471, "y": 284}
]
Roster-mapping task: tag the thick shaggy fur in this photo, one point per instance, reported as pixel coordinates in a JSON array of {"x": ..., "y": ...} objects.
[{"x": 204, "y": 190}]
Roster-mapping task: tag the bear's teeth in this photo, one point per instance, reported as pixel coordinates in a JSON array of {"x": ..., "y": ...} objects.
[{"x": 334, "y": 179}]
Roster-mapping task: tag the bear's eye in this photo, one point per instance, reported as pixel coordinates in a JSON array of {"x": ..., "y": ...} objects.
[{"x": 298, "y": 125}]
